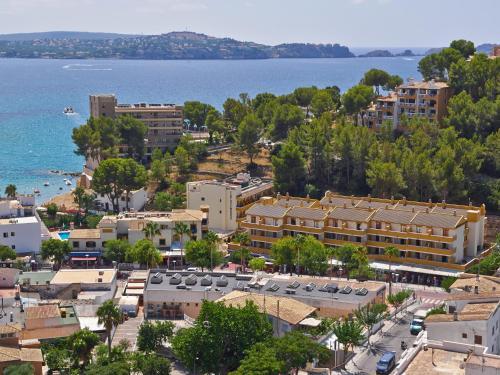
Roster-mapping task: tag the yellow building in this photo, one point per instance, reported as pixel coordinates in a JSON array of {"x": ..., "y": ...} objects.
[{"x": 433, "y": 234}]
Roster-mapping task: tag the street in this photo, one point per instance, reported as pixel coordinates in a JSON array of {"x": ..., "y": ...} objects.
[{"x": 389, "y": 340}]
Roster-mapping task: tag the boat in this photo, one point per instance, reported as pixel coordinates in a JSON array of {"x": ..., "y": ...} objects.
[
  {"x": 68, "y": 111},
  {"x": 68, "y": 182},
  {"x": 36, "y": 191},
  {"x": 46, "y": 183}
]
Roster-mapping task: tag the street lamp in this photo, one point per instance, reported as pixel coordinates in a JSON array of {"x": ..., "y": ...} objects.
[{"x": 87, "y": 256}]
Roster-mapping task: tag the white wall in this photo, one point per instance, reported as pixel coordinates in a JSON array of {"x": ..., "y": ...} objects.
[
  {"x": 137, "y": 201},
  {"x": 221, "y": 200},
  {"x": 24, "y": 235}
]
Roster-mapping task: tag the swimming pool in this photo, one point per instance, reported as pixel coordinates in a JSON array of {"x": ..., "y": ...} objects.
[{"x": 64, "y": 235}]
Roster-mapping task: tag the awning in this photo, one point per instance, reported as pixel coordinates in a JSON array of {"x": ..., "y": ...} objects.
[
  {"x": 134, "y": 292},
  {"x": 428, "y": 271},
  {"x": 83, "y": 258}
]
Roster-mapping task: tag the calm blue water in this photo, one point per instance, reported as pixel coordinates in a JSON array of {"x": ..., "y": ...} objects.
[{"x": 35, "y": 136}]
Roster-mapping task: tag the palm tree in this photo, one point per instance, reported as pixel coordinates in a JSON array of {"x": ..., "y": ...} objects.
[
  {"x": 243, "y": 239},
  {"x": 391, "y": 252},
  {"x": 11, "y": 191},
  {"x": 181, "y": 229},
  {"x": 213, "y": 240},
  {"x": 110, "y": 316},
  {"x": 150, "y": 230}
]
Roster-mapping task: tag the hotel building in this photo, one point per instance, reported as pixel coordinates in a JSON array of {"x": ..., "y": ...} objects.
[
  {"x": 426, "y": 100},
  {"x": 164, "y": 121},
  {"x": 225, "y": 202},
  {"x": 427, "y": 234}
]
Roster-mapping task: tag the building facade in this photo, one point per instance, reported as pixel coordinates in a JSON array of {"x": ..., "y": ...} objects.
[
  {"x": 225, "y": 202},
  {"x": 431, "y": 234},
  {"x": 413, "y": 99},
  {"x": 470, "y": 320},
  {"x": 164, "y": 121}
]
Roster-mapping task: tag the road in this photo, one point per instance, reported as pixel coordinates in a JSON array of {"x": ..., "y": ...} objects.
[{"x": 390, "y": 340}]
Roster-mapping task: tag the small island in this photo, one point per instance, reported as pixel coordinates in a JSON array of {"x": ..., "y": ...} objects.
[
  {"x": 386, "y": 53},
  {"x": 171, "y": 46}
]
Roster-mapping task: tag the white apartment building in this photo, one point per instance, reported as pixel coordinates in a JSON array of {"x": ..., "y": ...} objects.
[
  {"x": 471, "y": 319},
  {"x": 225, "y": 202},
  {"x": 20, "y": 228},
  {"x": 137, "y": 199}
]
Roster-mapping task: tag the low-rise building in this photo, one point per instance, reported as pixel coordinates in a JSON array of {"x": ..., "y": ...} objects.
[
  {"x": 22, "y": 234},
  {"x": 12, "y": 356},
  {"x": 470, "y": 320},
  {"x": 475, "y": 284},
  {"x": 171, "y": 295},
  {"x": 137, "y": 199},
  {"x": 225, "y": 202},
  {"x": 285, "y": 314},
  {"x": 427, "y": 234},
  {"x": 130, "y": 226},
  {"x": 8, "y": 277},
  {"x": 10, "y": 334},
  {"x": 46, "y": 322}
]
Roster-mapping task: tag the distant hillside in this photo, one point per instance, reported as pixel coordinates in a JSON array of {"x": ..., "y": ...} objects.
[
  {"x": 485, "y": 48},
  {"x": 82, "y": 35},
  {"x": 171, "y": 46},
  {"x": 386, "y": 53}
]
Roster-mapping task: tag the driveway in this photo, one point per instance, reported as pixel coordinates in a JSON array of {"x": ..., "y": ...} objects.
[{"x": 128, "y": 330}]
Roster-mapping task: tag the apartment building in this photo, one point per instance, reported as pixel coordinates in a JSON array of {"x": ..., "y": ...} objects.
[
  {"x": 164, "y": 121},
  {"x": 413, "y": 99},
  {"x": 20, "y": 226},
  {"x": 225, "y": 202},
  {"x": 383, "y": 110},
  {"x": 430, "y": 234}
]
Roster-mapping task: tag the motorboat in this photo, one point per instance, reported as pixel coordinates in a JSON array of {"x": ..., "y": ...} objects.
[
  {"x": 68, "y": 182},
  {"x": 36, "y": 191},
  {"x": 68, "y": 111},
  {"x": 46, "y": 183}
]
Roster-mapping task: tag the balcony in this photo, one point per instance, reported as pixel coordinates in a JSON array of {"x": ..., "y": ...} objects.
[
  {"x": 411, "y": 235},
  {"x": 274, "y": 228},
  {"x": 407, "y": 247},
  {"x": 302, "y": 228},
  {"x": 264, "y": 238},
  {"x": 339, "y": 230},
  {"x": 453, "y": 266}
]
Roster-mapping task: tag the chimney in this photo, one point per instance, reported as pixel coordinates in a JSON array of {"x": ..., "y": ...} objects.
[
  {"x": 278, "y": 196},
  {"x": 476, "y": 289},
  {"x": 287, "y": 196},
  {"x": 454, "y": 212},
  {"x": 352, "y": 200},
  {"x": 430, "y": 202},
  {"x": 369, "y": 197},
  {"x": 345, "y": 205},
  {"x": 455, "y": 316},
  {"x": 404, "y": 201},
  {"x": 444, "y": 203},
  {"x": 392, "y": 199},
  {"x": 308, "y": 198}
]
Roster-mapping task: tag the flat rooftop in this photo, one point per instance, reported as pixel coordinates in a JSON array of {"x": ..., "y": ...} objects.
[
  {"x": 301, "y": 288},
  {"x": 19, "y": 220},
  {"x": 439, "y": 363},
  {"x": 149, "y": 106},
  {"x": 85, "y": 276},
  {"x": 64, "y": 314},
  {"x": 37, "y": 278}
]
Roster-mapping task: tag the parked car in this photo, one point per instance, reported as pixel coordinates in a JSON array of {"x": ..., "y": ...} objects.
[{"x": 386, "y": 363}]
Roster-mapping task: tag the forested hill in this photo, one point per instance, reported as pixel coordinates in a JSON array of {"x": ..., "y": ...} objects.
[{"x": 171, "y": 46}]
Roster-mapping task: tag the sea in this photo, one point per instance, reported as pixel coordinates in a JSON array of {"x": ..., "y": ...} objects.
[{"x": 35, "y": 135}]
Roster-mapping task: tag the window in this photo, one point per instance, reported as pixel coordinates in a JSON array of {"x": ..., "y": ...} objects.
[
  {"x": 478, "y": 340},
  {"x": 358, "y": 226},
  {"x": 293, "y": 221},
  {"x": 13, "y": 247},
  {"x": 162, "y": 242},
  {"x": 76, "y": 244},
  {"x": 12, "y": 234},
  {"x": 203, "y": 199},
  {"x": 253, "y": 219},
  {"x": 90, "y": 244},
  {"x": 464, "y": 335},
  {"x": 5, "y": 234}
]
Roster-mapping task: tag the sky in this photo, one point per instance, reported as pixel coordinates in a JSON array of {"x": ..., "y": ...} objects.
[{"x": 355, "y": 23}]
